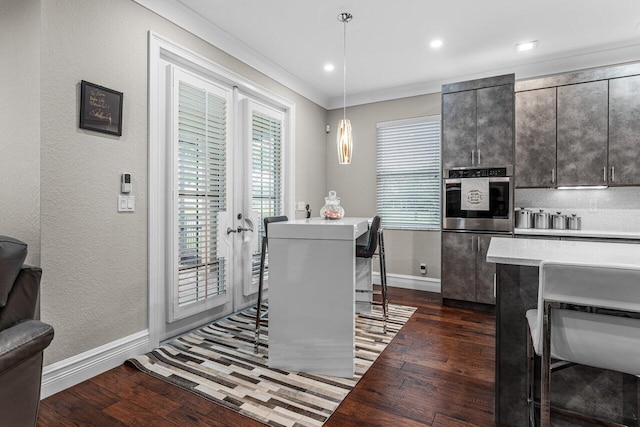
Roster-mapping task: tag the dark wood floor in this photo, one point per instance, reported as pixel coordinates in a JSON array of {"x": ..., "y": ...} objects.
[{"x": 438, "y": 371}]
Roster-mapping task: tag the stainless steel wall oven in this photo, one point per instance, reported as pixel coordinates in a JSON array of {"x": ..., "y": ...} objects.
[{"x": 478, "y": 199}]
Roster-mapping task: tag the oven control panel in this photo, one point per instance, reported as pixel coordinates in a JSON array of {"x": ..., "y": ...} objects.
[{"x": 477, "y": 172}]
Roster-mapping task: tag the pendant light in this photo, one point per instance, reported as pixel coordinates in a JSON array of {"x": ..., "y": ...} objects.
[{"x": 344, "y": 140}]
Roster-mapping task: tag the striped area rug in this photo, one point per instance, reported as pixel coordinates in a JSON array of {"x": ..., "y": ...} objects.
[{"x": 217, "y": 362}]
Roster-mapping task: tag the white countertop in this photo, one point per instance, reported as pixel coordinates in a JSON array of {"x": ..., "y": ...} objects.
[
  {"x": 347, "y": 228},
  {"x": 579, "y": 233},
  {"x": 533, "y": 251}
]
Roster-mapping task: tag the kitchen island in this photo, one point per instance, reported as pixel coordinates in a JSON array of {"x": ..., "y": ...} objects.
[
  {"x": 596, "y": 392},
  {"x": 312, "y": 283}
]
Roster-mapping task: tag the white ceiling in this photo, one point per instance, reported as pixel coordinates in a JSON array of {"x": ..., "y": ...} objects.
[{"x": 388, "y": 53}]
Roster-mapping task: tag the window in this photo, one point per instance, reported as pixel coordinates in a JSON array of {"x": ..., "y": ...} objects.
[
  {"x": 200, "y": 194},
  {"x": 408, "y": 173},
  {"x": 266, "y": 171}
]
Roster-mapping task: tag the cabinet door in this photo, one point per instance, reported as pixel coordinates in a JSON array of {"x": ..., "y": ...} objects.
[
  {"x": 458, "y": 266},
  {"x": 582, "y": 133},
  {"x": 624, "y": 131},
  {"x": 458, "y": 128},
  {"x": 536, "y": 138},
  {"x": 495, "y": 126},
  {"x": 485, "y": 271}
]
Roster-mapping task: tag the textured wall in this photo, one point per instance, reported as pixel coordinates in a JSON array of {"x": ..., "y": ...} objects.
[
  {"x": 95, "y": 259},
  {"x": 356, "y": 183},
  {"x": 19, "y": 118}
]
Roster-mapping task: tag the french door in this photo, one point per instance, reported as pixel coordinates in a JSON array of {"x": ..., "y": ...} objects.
[{"x": 225, "y": 173}]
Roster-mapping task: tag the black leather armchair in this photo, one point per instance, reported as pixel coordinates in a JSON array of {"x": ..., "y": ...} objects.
[{"x": 22, "y": 339}]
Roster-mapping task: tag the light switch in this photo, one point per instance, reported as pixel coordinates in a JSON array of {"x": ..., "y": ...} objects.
[
  {"x": 126, "y": 204},
  {"x": 300, "y": 206}
]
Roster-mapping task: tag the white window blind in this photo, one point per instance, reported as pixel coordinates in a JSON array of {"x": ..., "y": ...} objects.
[
  {"x": 408, "y": 173},
  {"x": 200, "y": 196},
  {"x": 266, "y": 171}
]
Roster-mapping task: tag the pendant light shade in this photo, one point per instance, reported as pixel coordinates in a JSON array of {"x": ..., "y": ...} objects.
[{"x": 344, "y": 140}]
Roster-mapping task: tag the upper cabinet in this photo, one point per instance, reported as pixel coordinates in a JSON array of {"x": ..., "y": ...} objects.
[
  {"x": 478, "y": 122},
  {"x": 495, "y": 126},
  {"x": 458, "y": 128},
  {"x": 579, "y": 129},
  {"x": 536, "y": 138},
  {"x": 582, "y": 134},
  {"x": 624, "y": 131}
]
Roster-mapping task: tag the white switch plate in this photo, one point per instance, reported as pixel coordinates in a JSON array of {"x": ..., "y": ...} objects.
[
  {"x": 126, "y": 204},
  {"x": 301, "y": 206}
]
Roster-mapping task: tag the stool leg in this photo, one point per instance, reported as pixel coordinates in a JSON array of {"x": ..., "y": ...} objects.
[
  {"x": 260, "y": 283},
  {"x": 383, "y": 279},
  {"x": 545, "y": 371},
  {"x": 531, "y": 380}
]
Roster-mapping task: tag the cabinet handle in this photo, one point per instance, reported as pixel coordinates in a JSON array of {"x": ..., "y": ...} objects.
[
  {"x": 494, "y": 285},
  {"x": 604, "y": 174},
  {"x": 471, "y": 243},
  {"x": 473, "y": 162},
  {"x": 479, "y": 162},
  {"x": 613, "y": 173},
  {"x": 553, "y": 175},
  {"x": 479, "y": 244}
]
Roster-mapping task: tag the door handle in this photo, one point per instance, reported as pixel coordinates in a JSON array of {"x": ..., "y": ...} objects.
[
  {"x": 241, "y": 229},
  {"x": 231, "y": 230}
]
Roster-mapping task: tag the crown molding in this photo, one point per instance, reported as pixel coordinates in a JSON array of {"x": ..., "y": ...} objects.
[
  {"x": 577, "y": 60},
  {"x": 184, "y": 17},
  {"x": 179, "y": 14}
]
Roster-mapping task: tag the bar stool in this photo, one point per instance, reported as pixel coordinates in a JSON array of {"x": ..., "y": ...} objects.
[
  {"x": 376, "y": 240},
  {"x": 570, "y": 326},
  {"x": 263, "y": 267}
]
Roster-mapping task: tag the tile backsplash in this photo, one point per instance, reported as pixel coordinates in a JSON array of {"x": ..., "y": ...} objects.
[{"x": 610, "y": 209}]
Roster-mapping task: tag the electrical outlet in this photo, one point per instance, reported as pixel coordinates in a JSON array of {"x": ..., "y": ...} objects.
[
  {"x": 593, "y": 205},
  {"x": 423, "y": 268},
  {"x": 300, "y": 206}
]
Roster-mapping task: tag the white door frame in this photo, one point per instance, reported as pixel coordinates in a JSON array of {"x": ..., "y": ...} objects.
[{"x": 163, "y": 50}]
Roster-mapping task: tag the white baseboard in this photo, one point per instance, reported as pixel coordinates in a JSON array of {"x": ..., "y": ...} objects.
[
  {"x": 404, "y": 281},
  {"x": 69, "y": 372}
]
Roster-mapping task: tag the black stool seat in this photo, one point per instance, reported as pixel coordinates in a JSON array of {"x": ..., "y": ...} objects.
[{"x": 376, "y": 241}]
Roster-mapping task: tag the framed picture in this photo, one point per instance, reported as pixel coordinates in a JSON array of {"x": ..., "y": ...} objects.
[{"x": 100, "y": 109}]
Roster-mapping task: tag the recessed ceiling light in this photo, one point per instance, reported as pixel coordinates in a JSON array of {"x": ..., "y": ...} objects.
[
  {"x": 329, "y": 67},
  {"x": 436, "y": 43},
  {"x": 521, "y": 47}
]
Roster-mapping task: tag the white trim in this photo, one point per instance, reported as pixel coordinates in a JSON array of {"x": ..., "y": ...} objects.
[
  {"x": 69, "y": 372},
  {"x": 404, "y": 281},
  {"x": 161, "y": 48}
]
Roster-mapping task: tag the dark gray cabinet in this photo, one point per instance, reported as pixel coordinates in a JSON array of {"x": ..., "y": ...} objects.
[
  {"x": 535, "y": 138},
  {"x": 582, "y": 134},
  {"x": 466, "y": 275},
  {"x": 458, "y": 275},
  {"x": 495, "y": 126},
  {"x": 478, "y": 123},
  {"x": 624, "y": 131},
  {"x": 458, "y": 128}
]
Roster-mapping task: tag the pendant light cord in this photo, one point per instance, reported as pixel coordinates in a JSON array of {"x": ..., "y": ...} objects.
[{"x": 344, "y": 73}]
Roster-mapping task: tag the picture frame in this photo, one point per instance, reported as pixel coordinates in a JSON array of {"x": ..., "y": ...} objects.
[{"x": 100, "y": 109}]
